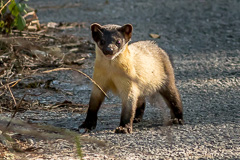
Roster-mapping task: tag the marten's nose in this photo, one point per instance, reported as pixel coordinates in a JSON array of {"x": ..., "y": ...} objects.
[{"x": 108, "y": 51}]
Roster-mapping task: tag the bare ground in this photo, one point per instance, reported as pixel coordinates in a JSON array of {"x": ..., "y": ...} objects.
[{"x": 202, "y": 36}]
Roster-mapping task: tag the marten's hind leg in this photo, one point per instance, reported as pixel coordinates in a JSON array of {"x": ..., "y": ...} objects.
[
  {"x": 141, "y": 103},
  {"x": 173, "y": 100}
]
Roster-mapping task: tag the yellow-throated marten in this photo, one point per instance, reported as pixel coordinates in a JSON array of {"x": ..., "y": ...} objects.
[{"x": 132, "y": 72}]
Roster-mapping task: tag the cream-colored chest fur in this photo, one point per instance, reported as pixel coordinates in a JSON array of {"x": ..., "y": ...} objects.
[{"x": 139, "y": 65}]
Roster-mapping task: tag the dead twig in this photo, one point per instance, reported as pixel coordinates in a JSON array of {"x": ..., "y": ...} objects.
[
  {"x": 16, "y": 110},
  {"x": 13, "y": 82},
  {"x": 59, "y": 69},
  {"x": 3, "y": 92},
  {"x": 12, "y": 95},
  {"x": 16, "y": 83},
  {"x": 5, "y": 88},
  {"x": 4, "y": 6},
  {"x": 35, "y": 34}
]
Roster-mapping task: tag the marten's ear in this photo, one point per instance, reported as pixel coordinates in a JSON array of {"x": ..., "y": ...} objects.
[
  {"x": 127, "y": 31},
  {"x": 96, "y": 31},
  {"x": 95, "y": 27}
]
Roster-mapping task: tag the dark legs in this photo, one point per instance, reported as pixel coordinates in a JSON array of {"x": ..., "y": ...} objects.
[
  {"x": 96, "y": 100},
  {"x": 132, "y": 112},
  {"x": 127, "y": 115},
  {"x": 173, "y": 100},
  {"x": 140, "y": 110}
]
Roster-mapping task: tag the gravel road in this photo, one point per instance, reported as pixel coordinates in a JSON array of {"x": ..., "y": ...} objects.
[{"x": 203, "y": 36}]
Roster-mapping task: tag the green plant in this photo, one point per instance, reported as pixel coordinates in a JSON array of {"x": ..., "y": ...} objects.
[
  {"x": 78, "y": 146},
  {"x": 11, "y": 15}
]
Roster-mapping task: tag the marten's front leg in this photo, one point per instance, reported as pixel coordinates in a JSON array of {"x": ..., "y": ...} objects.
[
  {"x": 95, "y": 102},
  {"x": 129, "y": 105}
]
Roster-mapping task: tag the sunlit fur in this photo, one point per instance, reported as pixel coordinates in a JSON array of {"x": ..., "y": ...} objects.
[{"x": 138, "y": 70}]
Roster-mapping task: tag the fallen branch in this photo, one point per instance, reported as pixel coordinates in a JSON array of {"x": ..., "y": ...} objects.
[
  {"x": 35, "y": 34},
  {"x": 59, "y": 69},
  {"x": 13, "y": 83}
]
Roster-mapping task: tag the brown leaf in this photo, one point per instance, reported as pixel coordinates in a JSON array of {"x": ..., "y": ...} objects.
[
  {"x": 155, "y": 36},
  {"x": 52, "y": 25}
]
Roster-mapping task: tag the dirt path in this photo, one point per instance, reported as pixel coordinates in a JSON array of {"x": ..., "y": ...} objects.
[{"x": 203, "y": 36}]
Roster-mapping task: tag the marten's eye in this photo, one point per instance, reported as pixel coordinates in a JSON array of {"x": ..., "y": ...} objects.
[
  {"x": 118, "y": 42},
  {"x": 102, "y": 42}
]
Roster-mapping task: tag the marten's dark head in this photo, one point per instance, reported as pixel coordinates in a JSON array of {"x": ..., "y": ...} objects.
[{"x": 111, "y": 39}]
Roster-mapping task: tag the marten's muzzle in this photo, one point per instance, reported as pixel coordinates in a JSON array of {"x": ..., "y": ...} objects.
[{"x": 108, "y": 51}]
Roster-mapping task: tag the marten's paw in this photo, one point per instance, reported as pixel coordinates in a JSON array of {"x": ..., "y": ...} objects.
[
  {"x": 88, "y": 126},
  {"x": 123, "y": 130},
  {"x": 83, "y": 130},
  {"x": 137, "y": 120},
  {"x": 177, "y": 121}
]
